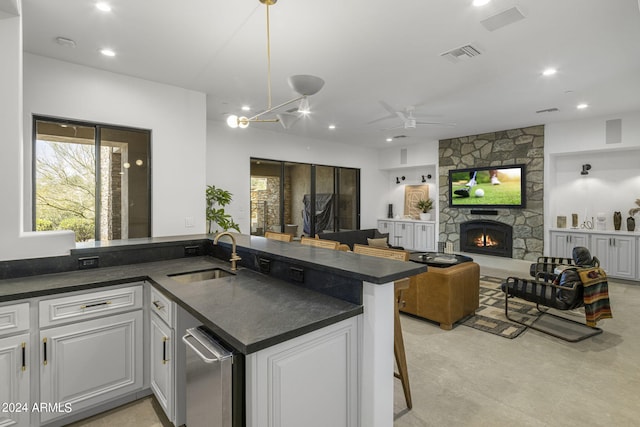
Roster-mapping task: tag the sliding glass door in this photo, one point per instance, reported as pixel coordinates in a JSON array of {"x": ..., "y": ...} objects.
[{"x": 302, "y": 198}]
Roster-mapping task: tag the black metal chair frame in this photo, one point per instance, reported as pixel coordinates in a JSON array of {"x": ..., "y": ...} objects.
[{"x": 543, "y": 279}]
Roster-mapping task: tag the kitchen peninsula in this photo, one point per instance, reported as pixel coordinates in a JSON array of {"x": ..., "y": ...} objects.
[{"x": 281, "y": 293}]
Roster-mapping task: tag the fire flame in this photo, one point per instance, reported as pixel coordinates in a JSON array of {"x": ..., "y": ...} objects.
[{"x": 486, "y": 241}]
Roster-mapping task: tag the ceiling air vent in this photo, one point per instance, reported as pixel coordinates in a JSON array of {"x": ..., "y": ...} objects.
[
  {"x": 462, "y": 52},
  {"x": 502, "y": 19}
]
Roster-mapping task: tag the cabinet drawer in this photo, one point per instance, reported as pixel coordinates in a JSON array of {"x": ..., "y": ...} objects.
[
  {"x": 14, "y": 318},
  {"x": 87, "y": 306},
  {"x": 162, "y": 306}
]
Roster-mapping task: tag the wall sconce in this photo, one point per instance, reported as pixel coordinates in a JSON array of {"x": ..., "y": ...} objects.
[
  {"x": 398, "y": 179},
  {"x": 585, "y": 169},
  {"x": 428, "y": 177}
]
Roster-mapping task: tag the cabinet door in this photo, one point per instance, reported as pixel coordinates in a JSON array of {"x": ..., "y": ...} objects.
[
  {"x": 387, "y": 227},
  {"x": 162, "y": 364},
  {"x": 14, "y": 381},
  {"x": 424, "y": 237},
  {"x": 310, "y": 381},
  {"x": 600, "y": 248},
  {"x": 403, "y": 235},
  {"x": 622, "y": 257},
  {"x": 89, "y": 362}
]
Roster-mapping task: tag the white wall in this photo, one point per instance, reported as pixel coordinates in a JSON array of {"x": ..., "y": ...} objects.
[
  {"x": 175, "y": 116},
  {"x": 229, "y": 151},
  {"x": 13, "y": 242},
  {"x": 613, "y": 183}
]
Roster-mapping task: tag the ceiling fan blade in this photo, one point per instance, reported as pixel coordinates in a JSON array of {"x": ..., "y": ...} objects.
[
  {"x": 390, "y": 116},
  {"x": 435, "y": 123},
  {"x": 388, "y": 107}
]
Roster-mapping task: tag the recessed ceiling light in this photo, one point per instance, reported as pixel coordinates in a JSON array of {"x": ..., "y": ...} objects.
[
  {"x": 549, "y": 72},
  {"x": 332, "y": 126},
  {"x": 246, "y": 108},
  {"x": 582, "y": 106},
  {"x": 107, "y": 52},
  {"x": 478, "y": 3},
  {"x": 103, "y": 6},
  {"x": 389, "y": 139}
]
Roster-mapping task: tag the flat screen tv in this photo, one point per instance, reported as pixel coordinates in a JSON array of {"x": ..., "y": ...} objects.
[{"x": 488, "y": 187}]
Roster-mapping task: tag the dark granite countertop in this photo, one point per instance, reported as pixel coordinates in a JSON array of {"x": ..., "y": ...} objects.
[
  {"x": 345, "y": 264},
  {"x": 249, "y": 311}
]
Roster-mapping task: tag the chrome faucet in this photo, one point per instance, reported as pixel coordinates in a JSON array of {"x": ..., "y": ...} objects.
[{"x": 234, "y": 256}]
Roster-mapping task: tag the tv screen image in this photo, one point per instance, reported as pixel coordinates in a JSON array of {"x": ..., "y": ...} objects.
[{"x": 495, "y": 186}]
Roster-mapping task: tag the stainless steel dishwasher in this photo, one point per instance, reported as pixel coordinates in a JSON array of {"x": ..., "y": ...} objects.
[{"x": 209, "y": 380}]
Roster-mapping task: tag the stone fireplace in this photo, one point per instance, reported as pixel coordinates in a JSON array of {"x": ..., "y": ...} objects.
[
  {"x": 486, "y": 237},
  {"x": 507, "y": 147}
]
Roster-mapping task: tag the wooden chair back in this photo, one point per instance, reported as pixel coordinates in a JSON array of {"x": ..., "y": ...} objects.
[
  {"x": 319, "y": 243},
  {"x": 283, "y": 237},
  {"x": 396, "y": 254}
]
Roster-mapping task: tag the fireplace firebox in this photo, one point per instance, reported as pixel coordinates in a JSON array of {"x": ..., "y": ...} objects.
[{"x": 487, "y": 237}]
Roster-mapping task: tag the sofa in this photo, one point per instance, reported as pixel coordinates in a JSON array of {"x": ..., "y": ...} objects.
[{"x": 351, "y": 237}]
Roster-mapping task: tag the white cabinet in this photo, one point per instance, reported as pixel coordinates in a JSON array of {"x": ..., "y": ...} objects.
[
  {"x": 617, "y": 254},
  {"x": 403, "y": 234},
  {"x": 92, "y": 354},
  {"x": 14, "y": 381},
  {"x": 161, "y": 352},
  {"x": 387, "y": 227},
  {"x": 310, "y": 381},
  {"x": 562, "y": 243},
  {"x": 14, "y": 365},
  {"x": 424, "y": 237},
  {"x": 410, "y": 234},
  {"x": 161, "y": 364}
]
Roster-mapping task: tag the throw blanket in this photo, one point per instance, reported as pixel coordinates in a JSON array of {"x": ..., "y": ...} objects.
[{"x": 596, "y": 295}]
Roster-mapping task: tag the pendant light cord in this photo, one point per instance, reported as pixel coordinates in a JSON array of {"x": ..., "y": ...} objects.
[{"x": 268, "y": 60}]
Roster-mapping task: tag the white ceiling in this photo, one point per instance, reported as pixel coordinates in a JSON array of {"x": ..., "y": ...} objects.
[{"x": 367, "y": 51}]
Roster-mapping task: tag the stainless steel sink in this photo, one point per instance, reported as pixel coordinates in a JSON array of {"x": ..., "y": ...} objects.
[{"x": 200, "y": 275}]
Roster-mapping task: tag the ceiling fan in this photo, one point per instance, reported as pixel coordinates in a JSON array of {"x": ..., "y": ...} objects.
[{"x": 409, "y": 121}]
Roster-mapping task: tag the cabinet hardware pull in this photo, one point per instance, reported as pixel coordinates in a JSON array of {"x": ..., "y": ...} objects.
[
  {"x": 164, "y": 350},
  {"x": 82, "y": 307},
  {"x": 24, "y": 356},
  {"x": 44, "y": 346},
  {"x": 158, "y": 305}
]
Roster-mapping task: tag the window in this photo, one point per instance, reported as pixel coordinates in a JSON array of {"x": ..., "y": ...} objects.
[{"x": 91, "y": 179}]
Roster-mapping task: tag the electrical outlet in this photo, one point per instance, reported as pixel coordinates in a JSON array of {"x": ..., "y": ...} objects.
[
  {"x": 296, "y": 274},
  {"x": 265, "y": 265},
  {"x": 191, "y": 250},
  {"x": 188, "y": 222},
  {"x": 88, "y": 262}
]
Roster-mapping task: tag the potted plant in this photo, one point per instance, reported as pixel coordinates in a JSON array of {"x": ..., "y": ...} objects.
[
  {"x": 219, "y": 197},
  {"x": 425, "y": 206}
]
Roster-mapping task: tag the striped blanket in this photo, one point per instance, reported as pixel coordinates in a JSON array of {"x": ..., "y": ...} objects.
[{"x": 596, "y": 295}]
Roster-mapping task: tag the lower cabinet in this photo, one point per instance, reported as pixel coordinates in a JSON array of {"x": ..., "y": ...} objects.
[
  {"x": 424, "y": 237},
  {"x": 89, "y": 362},
  {"x": 562, "y": 243},
  {"x": 617, "y": 254},
  {"x": 161, "y": 364},
  {"x": 310, "y": 381},
  {"x": 404, "y": 234},
  {"x": 14, "y": 381}
]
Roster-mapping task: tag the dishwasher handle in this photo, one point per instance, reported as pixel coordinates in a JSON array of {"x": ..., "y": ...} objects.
[{"x": 219, "y": 354}]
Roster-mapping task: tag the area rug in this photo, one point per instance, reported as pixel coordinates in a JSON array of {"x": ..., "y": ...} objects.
[{"x": 490, "y": 316}]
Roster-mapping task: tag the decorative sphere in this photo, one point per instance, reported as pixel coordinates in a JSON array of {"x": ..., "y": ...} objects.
[{"x": 479, "y": 192}]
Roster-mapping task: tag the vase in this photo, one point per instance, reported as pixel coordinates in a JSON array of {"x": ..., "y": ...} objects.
[
  {"x": 631, "y": 224},
  {"x": 425, "y": 216},
  {"x": 617, "y": 220}
]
